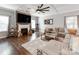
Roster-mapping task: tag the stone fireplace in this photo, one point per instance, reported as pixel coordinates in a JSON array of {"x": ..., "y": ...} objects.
[{"x": 23, "y": 29}]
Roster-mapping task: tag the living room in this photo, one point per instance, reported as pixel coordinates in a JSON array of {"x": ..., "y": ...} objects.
[{"x": 23, "y": 27}]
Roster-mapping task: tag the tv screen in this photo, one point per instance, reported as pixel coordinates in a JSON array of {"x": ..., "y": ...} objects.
[{"x": 22, "y": 18}]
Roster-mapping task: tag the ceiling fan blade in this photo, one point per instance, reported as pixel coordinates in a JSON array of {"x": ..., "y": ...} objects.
[
  {"x": 46, "y": 7},
  {"x": 41, "y": 5},
  {"x": 42, "y": 11},
  {"x": 45, "y": 10}
]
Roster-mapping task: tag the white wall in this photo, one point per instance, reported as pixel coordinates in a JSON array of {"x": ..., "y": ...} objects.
[
  {"x": 58, "y": 20},
  {"x": 12, "y": 15}
]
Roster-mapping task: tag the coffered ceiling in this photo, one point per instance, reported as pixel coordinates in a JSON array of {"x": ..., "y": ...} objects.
[{"x": 54, "y": 8}]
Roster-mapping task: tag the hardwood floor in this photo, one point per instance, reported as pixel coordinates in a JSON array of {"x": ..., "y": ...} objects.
[{"x": 12, "y": 45}]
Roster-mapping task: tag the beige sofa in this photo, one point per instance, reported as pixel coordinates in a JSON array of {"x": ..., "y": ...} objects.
[
  {"x": 54, "y": 30},
  {"x": 55, "y": 33}
]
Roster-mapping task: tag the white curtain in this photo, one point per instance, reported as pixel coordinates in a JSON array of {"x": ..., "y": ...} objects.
[{"x": 4, "y": 22}]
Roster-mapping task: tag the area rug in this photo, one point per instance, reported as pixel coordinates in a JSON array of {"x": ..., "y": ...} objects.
[{"x": 51, "y": 47}]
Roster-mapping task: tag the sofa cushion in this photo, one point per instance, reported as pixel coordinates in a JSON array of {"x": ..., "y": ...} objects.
[
  {"x": 61, "y": 35},
  {"x": 61, "y": 30}
]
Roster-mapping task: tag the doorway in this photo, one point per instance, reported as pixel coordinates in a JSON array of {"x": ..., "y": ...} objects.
[{"x": 33, "y": 27}]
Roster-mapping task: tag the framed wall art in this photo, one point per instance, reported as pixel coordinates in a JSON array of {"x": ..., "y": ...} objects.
[{"x": 48, "y": 21}]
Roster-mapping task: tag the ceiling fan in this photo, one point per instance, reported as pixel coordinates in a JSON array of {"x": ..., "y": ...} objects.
[{"x": 42, "y": 9}]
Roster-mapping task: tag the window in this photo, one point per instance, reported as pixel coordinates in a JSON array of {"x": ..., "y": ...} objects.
[
  {"x": 4, "y": 22},
  {"x": 71, "y": 22}
]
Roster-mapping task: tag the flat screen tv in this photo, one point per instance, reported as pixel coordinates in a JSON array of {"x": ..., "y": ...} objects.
[{"x": 22, "y": 18}]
